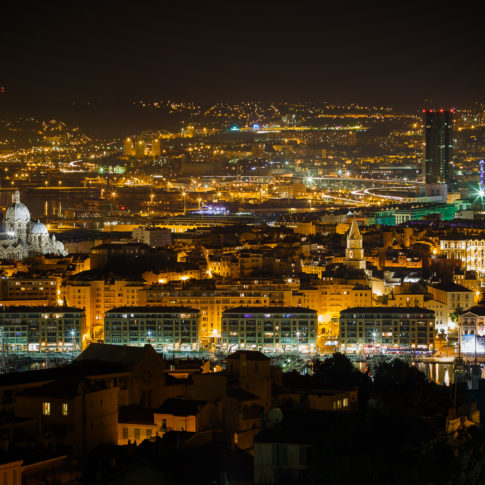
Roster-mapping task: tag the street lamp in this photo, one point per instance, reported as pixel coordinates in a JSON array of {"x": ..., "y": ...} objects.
[
  {"x": 149, "y": 335},
  {"x": 72, "y": 334},
  {"x": 374, "y": 336}
]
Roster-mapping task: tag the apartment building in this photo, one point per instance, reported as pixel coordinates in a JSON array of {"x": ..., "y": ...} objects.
[
  {"x": 212, "y": 303},
  {"x": 40, "y": 328},
  {"x": 387, "y": 329},
  {"x": 21, "y": 289},
  {"x": 269, "y": 329},
  {"x": 164, "y": 328},
  {"x": 98, "y": 294}
]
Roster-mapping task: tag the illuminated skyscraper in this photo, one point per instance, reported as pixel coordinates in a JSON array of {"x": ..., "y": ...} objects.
[
  {"x": 438, "y": 151},
  {"x": 139, "y": 149},
  {"x": 156, "y": 147},
  {"x": 128, "y": 148}
]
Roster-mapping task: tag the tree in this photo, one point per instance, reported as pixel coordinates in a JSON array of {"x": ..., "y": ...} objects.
[
  {"x": 402, "y": 387},
  {"x": 339, "y": 371}
]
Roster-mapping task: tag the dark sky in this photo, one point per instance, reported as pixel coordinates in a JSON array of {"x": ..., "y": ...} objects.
[{"x": 398, "y": 54}]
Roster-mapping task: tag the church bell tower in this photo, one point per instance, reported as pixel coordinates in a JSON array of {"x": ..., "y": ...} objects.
[{"x": 354, "y": 254}]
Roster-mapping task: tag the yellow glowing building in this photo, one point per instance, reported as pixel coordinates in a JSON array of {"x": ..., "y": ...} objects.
[
  {"x": 212, "y": 303},
  {"x": 470, "y": 251},
  {"x": 139, "y": 149},
  {"x": 156, "y": 149},
  {"x": 128, "y": 147},
  {"x": 97, "y": 296},
  {"x": 329, "y": 300},
  {"x": 18, "y": 290}
]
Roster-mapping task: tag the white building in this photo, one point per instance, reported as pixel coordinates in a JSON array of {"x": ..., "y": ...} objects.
[
  {"x": 470, "y": 251},
  {"x": 153, "y": 236},
  {"x": 20, "y": 238}
]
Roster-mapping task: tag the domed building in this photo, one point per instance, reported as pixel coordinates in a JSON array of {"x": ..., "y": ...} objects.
[{"x": 22, "y": 238}]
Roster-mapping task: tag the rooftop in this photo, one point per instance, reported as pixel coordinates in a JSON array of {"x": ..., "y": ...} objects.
[
  {"x": 101, "y": 275},
  {"x": 241, "y": 395},
  {"x": 253, "y": 355},
  {"x": 67, "y": 387},
  {"x": 77, "y": 369},
  {"x": 478, "y": 310},
  {"x": 152, "y": 309},
  {"x": 449, "y": 286},
  {"x": 388, "y": 310},
  {"x": 270, "y": 310},
  {"x": 115, "y": 354},
  {"x": 43, "y": 309}
]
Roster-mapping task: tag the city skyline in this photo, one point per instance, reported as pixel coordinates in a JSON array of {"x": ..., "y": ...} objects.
[{"x": 237, "y": 239}]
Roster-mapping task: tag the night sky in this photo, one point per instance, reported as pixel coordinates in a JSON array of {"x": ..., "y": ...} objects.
[{"x": 53, "y": 55}]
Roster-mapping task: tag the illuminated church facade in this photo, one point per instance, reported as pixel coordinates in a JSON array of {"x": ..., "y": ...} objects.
[{"x": 20, "y": 238}]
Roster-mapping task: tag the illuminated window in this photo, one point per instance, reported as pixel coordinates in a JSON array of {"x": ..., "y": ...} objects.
[
  {"x": 345, "y": 402},
  {"x": 46, "y": 408},
  {"x": 65, "y": 409},
  {"x": 125, "y": 433}
]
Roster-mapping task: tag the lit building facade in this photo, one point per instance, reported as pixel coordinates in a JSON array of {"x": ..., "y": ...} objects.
[
  {"x": 38, "y": 329},
  {"x": 453, "y": 299},
  {"x": 23, "y": 290},
  {"x": 212, "y": 303},
  {"x": 472, "y": 325},
  {"x": 153, "y": 236},
  {"x": 128, "y": 147},
  {"x": 97, "y": 294},
  {"x": 164, "y": 328},
  {"x": 387, "y": 329},
  {"x": 269, "y": 329},
  {"x": 471, "y": 252},
  {"x": 156, "y": 149},
  {"x": 329, "y": 300},
  {"x": 139, "y": 149}
]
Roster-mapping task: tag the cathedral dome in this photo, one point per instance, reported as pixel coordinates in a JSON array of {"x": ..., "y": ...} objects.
[
  {"x": 17, "y": 212},
  {"x": 38, "y": 228}
]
